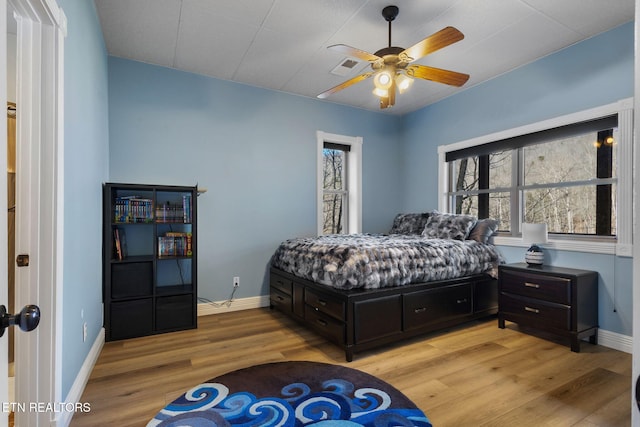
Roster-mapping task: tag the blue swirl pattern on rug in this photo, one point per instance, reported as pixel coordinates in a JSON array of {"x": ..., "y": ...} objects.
[{"x": 339, "y": 403}]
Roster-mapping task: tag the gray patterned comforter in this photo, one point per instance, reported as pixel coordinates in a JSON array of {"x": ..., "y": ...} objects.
[{"x": 375, "y": 261}]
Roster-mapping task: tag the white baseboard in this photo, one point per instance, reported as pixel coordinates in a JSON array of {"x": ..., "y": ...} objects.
[
  {"x": 63, "y": 418},
  {"x": 205, "y": 309},
  {"x": 615, "y": 341}
]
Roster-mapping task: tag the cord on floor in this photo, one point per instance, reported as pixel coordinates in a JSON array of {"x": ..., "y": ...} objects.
[{"x": 226, "y": 303}]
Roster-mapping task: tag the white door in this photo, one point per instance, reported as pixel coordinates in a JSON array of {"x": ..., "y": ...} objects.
[{"x": 39, "y": 71}]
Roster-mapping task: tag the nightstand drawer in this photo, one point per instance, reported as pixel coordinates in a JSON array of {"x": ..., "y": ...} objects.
[
  {"x": 324, "y": 304},
  {"x": 548, "y": 288},
  {"x": 536, "y": 313}
]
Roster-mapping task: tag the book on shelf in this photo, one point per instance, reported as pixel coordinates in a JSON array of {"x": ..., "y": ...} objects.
[
  {"x": 175, "y": 244},
  {"x": 133, "y": 209},
  {"x": 120, "y": 243},
  {"x": 186, "y": 208},
  {"x": 176, "y": 211},
  {"x": 189, "y": 244}
]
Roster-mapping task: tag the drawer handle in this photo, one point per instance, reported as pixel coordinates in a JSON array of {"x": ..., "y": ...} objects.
[
  {"x": 461, "y": 301},
  {"x": 532, "y": 310},
  {"x": 280, "y": 298},
  {"x": 531, "y": 285},
  {"x": 322, "y": 322},
  {"x": 322, "y": 302},
  {"x": 420, "y": 310}
]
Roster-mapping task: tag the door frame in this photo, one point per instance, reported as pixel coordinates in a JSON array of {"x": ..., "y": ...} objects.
[
  {"x": 39, "y": 223},
  {"x": 635, "y": 398},
  {"x": 4, "y": 346}
]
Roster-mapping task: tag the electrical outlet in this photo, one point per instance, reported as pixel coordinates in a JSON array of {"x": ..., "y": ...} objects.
[
  {"x": 236, "y": 281},
  {"x": 84, "y": 331}
]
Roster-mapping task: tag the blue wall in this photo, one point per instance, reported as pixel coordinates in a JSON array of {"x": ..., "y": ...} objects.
[
  {"x": 255, "y": 152},
  {"x": 86, "y": 153},
  {"x": 592, "y": 73}
]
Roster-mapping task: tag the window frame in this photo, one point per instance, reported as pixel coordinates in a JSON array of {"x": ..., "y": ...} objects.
[
  {"x": 353, "y": 216},
  {"x": 619, "y": 245}
]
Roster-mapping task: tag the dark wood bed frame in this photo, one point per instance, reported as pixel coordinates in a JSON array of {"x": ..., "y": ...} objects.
[{"x": 358, "y": 320}]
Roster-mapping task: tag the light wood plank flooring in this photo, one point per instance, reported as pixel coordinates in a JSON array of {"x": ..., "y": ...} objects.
[{"x": 475, "y": 375}]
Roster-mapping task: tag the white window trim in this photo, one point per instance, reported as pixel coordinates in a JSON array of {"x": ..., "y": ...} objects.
[
  {"x": 354, "y": 178},
  {"x": 624, "y": 108}
]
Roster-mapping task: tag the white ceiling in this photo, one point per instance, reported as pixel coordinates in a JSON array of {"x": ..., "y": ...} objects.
[{"x": 281, "y": 44}]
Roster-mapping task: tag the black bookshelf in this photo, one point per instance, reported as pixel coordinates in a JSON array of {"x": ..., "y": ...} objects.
[{"x": 149, "y": 251}]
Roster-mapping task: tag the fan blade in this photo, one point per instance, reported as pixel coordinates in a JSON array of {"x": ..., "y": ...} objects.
[
  {"x": 434, "y": 42},
  {"x": 352, "y": 51},
  {"x": 344, "y": 85},
  {"x": 437, "y": 75}
]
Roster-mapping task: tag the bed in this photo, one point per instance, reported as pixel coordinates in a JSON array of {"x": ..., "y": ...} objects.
[{"x": 431, "y": 271}]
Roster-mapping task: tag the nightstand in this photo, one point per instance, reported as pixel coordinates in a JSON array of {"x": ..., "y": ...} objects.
[{"x": 561, "y": 301}]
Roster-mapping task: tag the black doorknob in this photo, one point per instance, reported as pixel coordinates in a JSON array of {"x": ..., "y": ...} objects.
[
  {"x": 638, "y": 392},
  {"x": 27, "y": 320}
]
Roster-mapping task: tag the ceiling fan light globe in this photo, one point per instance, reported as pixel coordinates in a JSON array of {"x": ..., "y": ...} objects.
[
  {"x": 383, "y": 80},
  {"x": 382, "y": 93},
  {"x": 403, "y": 82}
]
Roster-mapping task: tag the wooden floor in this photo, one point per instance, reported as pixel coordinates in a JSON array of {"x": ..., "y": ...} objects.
[{"x": 476, "y": 375}]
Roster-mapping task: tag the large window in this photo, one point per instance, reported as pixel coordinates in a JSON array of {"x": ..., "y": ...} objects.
[
  {"x": 339, "y": 184},
  {"x": 568, "y": 176}
]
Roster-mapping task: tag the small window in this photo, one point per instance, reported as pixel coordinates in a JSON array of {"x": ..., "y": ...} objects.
[
  {"x": 335, "y": 197},
  {"x": 339, "y": 184}
]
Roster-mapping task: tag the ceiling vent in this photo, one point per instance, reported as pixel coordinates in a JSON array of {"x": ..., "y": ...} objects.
[{"x": 345, "y": 67}]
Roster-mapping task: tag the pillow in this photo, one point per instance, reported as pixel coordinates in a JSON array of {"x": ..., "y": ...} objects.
[
  {"x": 484, "y": 230},
  {"x": 409, "y": 223},
  {"x": 448, "y": 226}
]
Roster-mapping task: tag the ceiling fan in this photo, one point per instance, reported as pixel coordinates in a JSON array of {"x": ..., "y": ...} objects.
[{"x": 391, "y": 66}]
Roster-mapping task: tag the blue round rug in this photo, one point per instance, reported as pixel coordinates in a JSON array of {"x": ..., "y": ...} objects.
[{"x": 292, "y": 394}]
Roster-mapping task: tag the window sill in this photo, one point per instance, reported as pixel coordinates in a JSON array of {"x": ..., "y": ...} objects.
[{"x": 610, "y": 248}]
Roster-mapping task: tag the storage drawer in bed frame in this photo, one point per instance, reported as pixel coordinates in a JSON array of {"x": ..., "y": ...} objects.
[
  {"x": 358, "y": 320},
  {"x": 436, "y": 305}
]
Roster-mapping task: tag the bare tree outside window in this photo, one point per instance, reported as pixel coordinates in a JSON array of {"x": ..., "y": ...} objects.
[
  {"x": 334, "y": 191},
  {"x": 568, "y": 183},
  {"x": 467, "y": 180},
  {"x": 569, "y": 209},
  {"x": 472, "y": 187}
]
